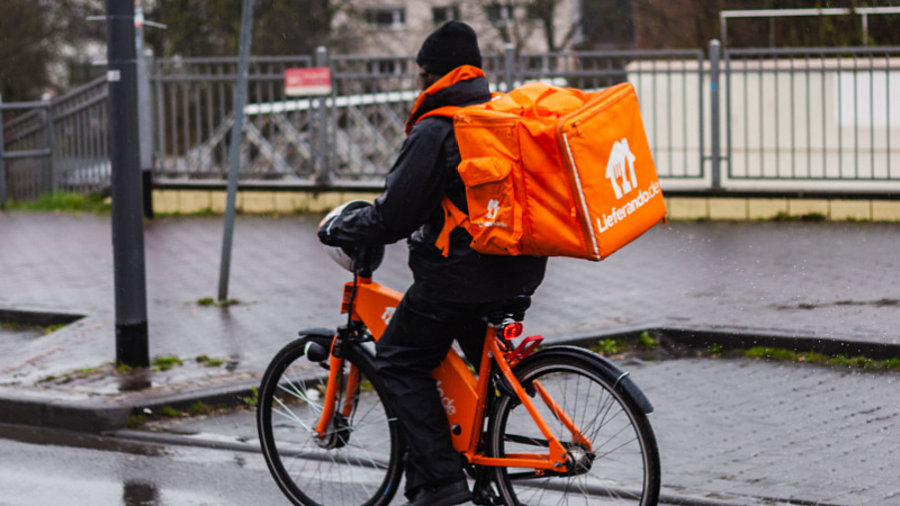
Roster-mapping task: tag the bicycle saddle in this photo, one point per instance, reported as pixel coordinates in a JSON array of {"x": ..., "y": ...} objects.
[{"x": 515, "y": 307}]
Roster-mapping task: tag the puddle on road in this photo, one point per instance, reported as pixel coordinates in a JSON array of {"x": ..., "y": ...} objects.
[
  {"x": 59, "y": 437},
  {"x": 109, "y": 380},
  {"x": 138, "y": 493}
]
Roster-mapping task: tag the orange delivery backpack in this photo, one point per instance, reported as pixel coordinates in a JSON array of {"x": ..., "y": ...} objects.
[{"x": 552, "y": 171}]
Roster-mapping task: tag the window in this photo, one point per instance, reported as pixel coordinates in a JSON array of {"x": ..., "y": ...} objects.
[
  {"x": 536, "y": 12},
  {"x": 444, "y": 13},
  {"x": 393, "y": 17},
  {"x": 499, "y": 14}
]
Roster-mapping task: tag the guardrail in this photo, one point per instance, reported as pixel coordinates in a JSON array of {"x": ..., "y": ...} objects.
[{"x": 55, "y": 145}]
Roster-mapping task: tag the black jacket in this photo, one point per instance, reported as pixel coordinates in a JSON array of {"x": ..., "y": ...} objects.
[{"x": 410, "y": 207}]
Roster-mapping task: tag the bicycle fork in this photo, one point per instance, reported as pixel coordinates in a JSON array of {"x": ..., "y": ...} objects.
[{"x": 333, "y": 431}]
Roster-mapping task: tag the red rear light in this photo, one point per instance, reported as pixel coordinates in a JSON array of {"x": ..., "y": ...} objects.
[{"x": 512, "y": 330}]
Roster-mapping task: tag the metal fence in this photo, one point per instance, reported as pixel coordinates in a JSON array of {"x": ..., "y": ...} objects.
[
  {"x": 798, "y": 120},
  {"x": 363, "y": 119},
  {"x": 193, "y": 99},
  {"x": 813, "y": 118},
  {"x": 56, "y": 144}
]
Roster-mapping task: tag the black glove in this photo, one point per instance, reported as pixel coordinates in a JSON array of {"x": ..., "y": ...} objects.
[{"x": 333, "y": 218}]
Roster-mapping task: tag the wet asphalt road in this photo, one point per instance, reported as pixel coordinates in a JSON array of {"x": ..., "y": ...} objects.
[{"x": 39, "y": 467}]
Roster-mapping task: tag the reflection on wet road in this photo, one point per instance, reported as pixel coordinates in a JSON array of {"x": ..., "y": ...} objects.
[{"x": 40, "y": 467}]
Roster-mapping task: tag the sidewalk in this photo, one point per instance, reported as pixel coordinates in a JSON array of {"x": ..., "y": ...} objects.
[{"x": 833, "y": 286}]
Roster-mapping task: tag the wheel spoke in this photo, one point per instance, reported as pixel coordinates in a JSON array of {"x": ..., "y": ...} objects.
[
  {"x": 618, "y": 462},
  {"x": 357, "y": 461}
]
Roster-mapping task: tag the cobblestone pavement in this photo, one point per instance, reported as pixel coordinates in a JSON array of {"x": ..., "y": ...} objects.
[
  {"x": 725, "y": 428},
  {"x": 839, "y": 281},
  {"x": 730, "y": 431}
]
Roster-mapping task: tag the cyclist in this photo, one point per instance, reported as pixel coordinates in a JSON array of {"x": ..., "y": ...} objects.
[{"x": 449, "y": 294}]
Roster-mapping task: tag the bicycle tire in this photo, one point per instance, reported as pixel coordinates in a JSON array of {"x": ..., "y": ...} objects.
[
  {"x": 622, "y": 465},
  {"x": 361, "y": 461}
]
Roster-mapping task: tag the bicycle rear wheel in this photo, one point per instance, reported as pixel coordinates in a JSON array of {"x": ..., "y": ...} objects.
[
  {"x": 621, "y": 464},
  {"x": 360, "y": 459}
]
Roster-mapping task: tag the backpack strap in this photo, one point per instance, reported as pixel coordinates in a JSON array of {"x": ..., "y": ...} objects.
[
  {"x": 446, "y": 111},
  {"x": 453, "y": 218}
]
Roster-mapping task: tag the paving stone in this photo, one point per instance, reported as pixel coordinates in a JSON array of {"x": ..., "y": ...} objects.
[{"x": 736, "y": 430}]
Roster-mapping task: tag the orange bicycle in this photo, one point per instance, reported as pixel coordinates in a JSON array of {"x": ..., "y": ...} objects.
[{"x": 558, "y": 425}]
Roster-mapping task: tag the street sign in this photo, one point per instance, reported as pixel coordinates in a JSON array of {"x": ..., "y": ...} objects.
[{"x": 307, "y": 81}]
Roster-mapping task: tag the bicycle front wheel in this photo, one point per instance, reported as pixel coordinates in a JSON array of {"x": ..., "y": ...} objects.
[
  {"x": 619, "y": 463},
  {"x": 358, "y": 461}
]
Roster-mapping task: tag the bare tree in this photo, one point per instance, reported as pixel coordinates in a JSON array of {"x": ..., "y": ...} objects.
[
  {"x": 518, "y": 22},
  {"x": 212, "y": 27},
  {"x": 23, "y": 55}
]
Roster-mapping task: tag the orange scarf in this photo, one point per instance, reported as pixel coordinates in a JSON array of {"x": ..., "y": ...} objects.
[{"x": 461, "y": 73}]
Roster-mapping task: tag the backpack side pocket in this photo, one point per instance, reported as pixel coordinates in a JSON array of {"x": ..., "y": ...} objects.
[{"x": 495, "y": 217}]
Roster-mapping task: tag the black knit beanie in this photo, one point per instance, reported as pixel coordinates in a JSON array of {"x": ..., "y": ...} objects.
[{"x": 448, "y": 47}]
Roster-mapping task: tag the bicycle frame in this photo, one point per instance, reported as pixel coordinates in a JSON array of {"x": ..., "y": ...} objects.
[{"x": 463, "y": 396}]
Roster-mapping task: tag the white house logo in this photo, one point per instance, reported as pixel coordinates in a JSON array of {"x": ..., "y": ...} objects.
[
  {"x": 388, "y": 313},
  {"x": 490, "y": 217},
  {"x": 493, "y": 208},
  {"x": 622, "y": 178},
  {"x": 620, "y": 167}
]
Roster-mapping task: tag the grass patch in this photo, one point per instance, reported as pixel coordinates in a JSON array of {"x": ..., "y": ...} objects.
[
  {"x": 251, "y": 400},
  {"x": 209, "y": 362},
  {"x": 209, "y": 301},
  {"x": 643, "y": 343},
  {"x": 165, "y": 363},
  {"x": 653, "y": 345},
  {"x": 858, "y": 362},
  {"x": 135, "y": 421},
  {"x": 169, "y": 412},
  {"x": 78, "y": 374},
  {"x": 646, "y": 342},
  {"x": 63, "y": 201},
  {"x": 607, "y": 347},
  {"x": 23, "y": 327},
  {"x": 200, "y": 408}
]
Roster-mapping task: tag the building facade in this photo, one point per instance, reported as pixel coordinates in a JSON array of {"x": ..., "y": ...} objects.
[{"x": 398, "y": 28}]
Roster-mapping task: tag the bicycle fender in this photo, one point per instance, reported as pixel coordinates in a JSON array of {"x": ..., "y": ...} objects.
[
  {"x": 621, "y": 380},
  {"x": 327, "y": 333},
  {"x": 316, "y": 331}
]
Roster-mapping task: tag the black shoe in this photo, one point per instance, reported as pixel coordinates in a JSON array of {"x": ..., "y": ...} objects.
[{"x": 444, "y": 495}]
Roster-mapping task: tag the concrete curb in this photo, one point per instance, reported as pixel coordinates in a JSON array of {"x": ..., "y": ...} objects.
[
  {"x": 38, "y": 316},
  {"x": 731, "y": 338},
  {"x": 96, "y": 417}
]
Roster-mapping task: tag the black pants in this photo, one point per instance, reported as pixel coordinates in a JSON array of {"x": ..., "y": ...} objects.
[{"x": 416, "y": 340}]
